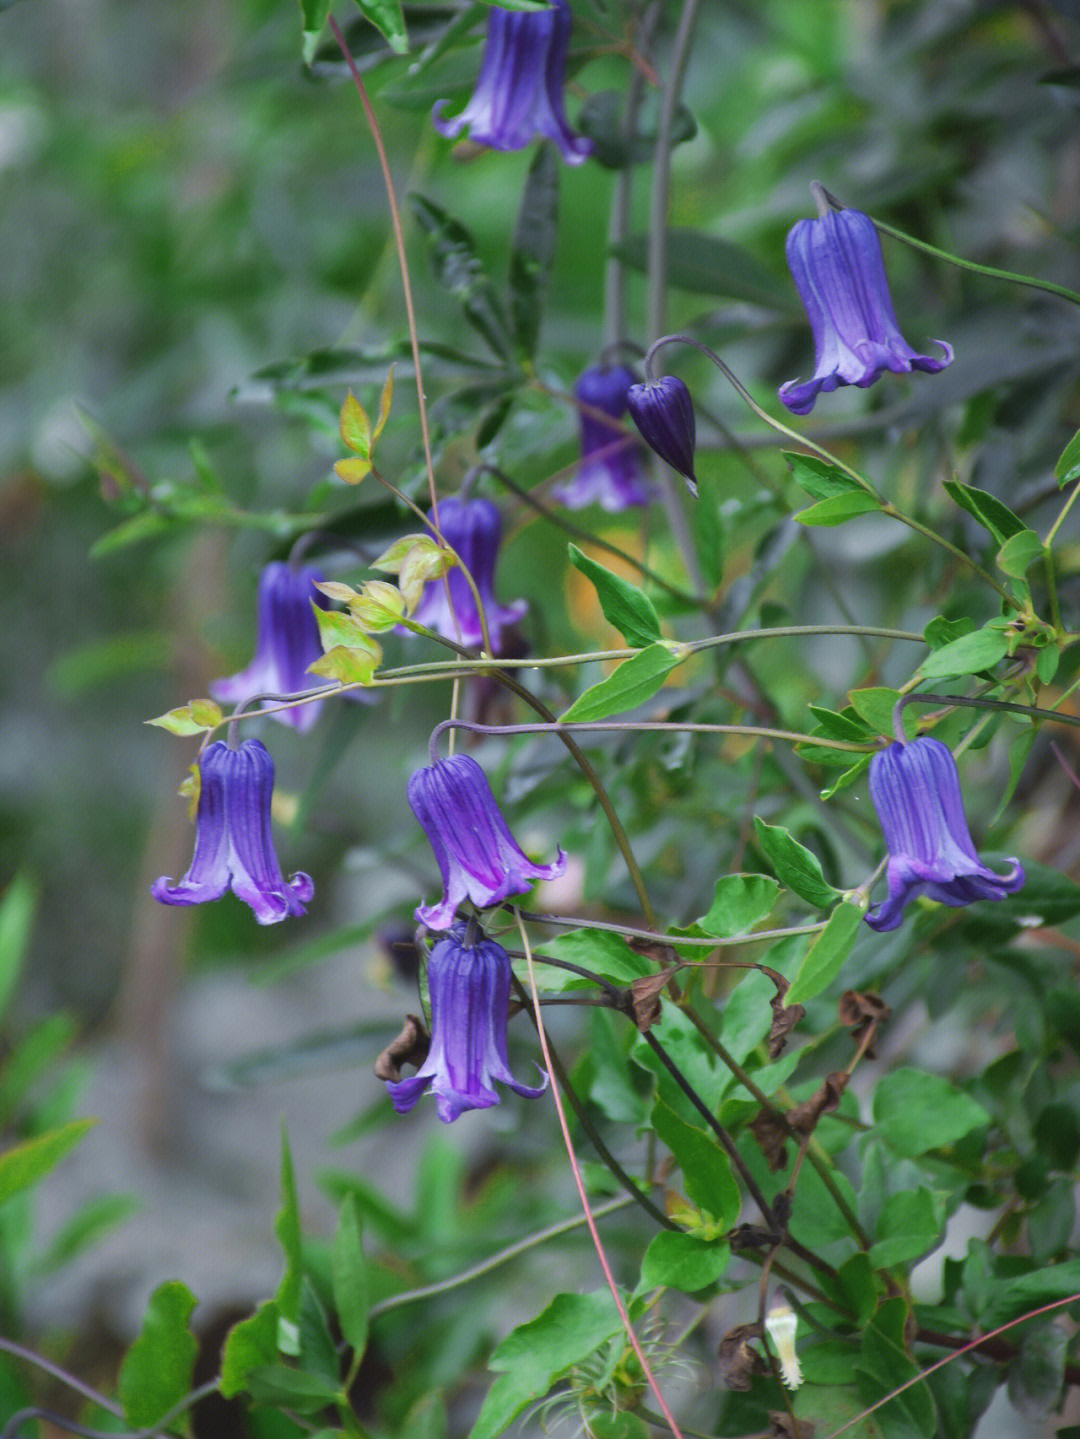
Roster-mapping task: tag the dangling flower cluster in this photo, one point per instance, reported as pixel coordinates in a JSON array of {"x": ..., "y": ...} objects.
[
  {"x": 234, "y": 844},
  {"x": 473, "y": 529},
  {"x": 519, "y": 93},
  {"x": 839, "y": 272},
  {"x": 469, "y": 984},
  {"x": 610, "y": 473},
  {"x": 478, "y": 858},
  {"x": 915, "y": 788}
]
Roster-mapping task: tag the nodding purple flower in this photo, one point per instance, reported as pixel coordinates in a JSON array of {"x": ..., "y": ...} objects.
[
  {"x": 664, "y": 413},
  {"x": 473, "y": 528},
  {"x": 234, "y": 845},
  {"x": 610, "y": 473},
  {"x": 519, "y": 92},
  {"x": 916, "y": 792},
  {"x": 287, "y": 642},
  {"x": 469, "y": 983},
  {"x": 840, "y": 275},
  {"x": 478, "y": 857}
]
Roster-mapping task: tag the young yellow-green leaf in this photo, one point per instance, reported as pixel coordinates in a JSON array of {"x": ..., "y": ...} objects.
[
  {"x": 22, "y": 1166},
  {"x": 156, "y": 1373},
  {"x": 336, "y": 628},
  {"x": 635, "y": 681},
  {"x": 352, "y": 470},
  {"x": 386, "y": 399},
  {"x": 350, "y": 1277},
  {"x": 825, "y": 957},
  {"x": 193, "y": 718},
  {"x": 378, "y": 606},
  {"x": 625, "y": 607},
  {"x": 16, "y": 917},
  {"x": 334, "y": 590},
  {"x": 349, "y": 664},
  {"x": 355, "y": 427},
  {"x": 249, "y": 1345},
  {"x": 407, "y": 547}
]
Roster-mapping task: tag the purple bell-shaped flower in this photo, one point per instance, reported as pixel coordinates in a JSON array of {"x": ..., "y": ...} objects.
[
  {"x": 664, "y": 413},
  {"x": 478, "y": 857},
  {"x": 839, "y": 272},
  {"x": 916, "y": 792},
  {"x": 610, "y": 473},
  {"x": 287, "y": 642},
  {"x": 473, "y": 528},
  {"x": 469, "y": 984},
  {"x": 234, "y": 844},
  {"x": 519, "y": 93}
]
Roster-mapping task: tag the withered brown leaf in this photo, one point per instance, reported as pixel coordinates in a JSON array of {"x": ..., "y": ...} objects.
[
  {"x": 738, "y": 1361},
  {"x": 785, "y": 1018},
  {"x": 410, "y": 1047},
  {"x": 784, "y": 1426},
  {"x": 770, "y": 1131},
  {"x": 864, "y": 1014},
  {"x": 804, "y": 1117},
  {"x": 645, "y": 997}
]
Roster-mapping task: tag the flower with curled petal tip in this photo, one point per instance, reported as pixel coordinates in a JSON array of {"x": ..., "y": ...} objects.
[
  {"x": 287, "y": 642},
  {"x": 664, "y": 413},
  {"x": 478, "y": 857},
  {"x": 473, "y": 529},
  {"x": 234, "y": 845},
  {"x": 839, "y": 272},
  {"x": 610, "y": 474},
  {"x": 519, "y": 92},
  {"x": 469, "y": 983},
  {"x": 916, "y": 792}
]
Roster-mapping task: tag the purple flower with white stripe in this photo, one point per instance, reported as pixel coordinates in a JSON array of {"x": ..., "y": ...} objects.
[
  {"x": 287, "y": 642},
  {"x": 610, "y": 474},
  {"x": 479, "y": 859},
  {"x": 473, "y": 528},
  {"x": 469, "y": 983},
  {"x": 519, "y": 92},
  {"x": 916, "y": 792},
  {"x": 839, "y": 272},
  {"x": 234, "y": 843}
]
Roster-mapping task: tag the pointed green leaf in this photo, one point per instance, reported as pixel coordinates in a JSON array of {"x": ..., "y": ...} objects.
[
  {"x": 459, "y": 270},
  {"x": 387, "y": 18},
  {"x": 876, "y": 706},
  {"x": 1019, "y": 553},
  {"x": 796, "y": 866},
  {"x": 740, "y": 902},
  {"x": 635, "y": 681},
  {"x": 156, "y": 1373},
  {"x": 16, "y": 919},
  {"x": 625, "y": 606},
  {"x": 193, "y": 718},
  {"x": 819, "y": 478},
  {"x": 706, "y": 1169},
  {"x": 350, "y": 1277},
  {"x": 1069, "y": 463},
  {"x": 683, "y": 1261},
  {"x": 313, "y": 15},
  {"x": 22, "y": 1166},
  {"x": 966, "y": 656},
  {"x": 287, "y": 1229},
  {"x": 990, "y": 512},
  {"x": 249, "y": 1345},
  {"x": 533, "y": 249},
  {"x": 708, "y": 265},
  {"x": 838, "y": 508},
  {"x": 825, "y": 957},
  {"x": 915, "y": 1112}
]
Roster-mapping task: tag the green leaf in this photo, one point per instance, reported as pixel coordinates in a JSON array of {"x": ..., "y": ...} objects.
[
  {"x": 795, "y": 865},
  {"x": 1019, "y": 553},
  {"x": 1065, "y": 469},
  {"x": 849, "y": 776},
  {"x": 705, "y": 1167},
  {"x": 596, "y": 949},
  {"x": 249, "y": 1345},
  {"x": 631, "y": 684},
  {"x": 941, "y": 631},
  {"x": 909, "y": 1226},
  {"x": 989, "y": 511},
  {"x": 740, "y": 902},
  {"x": 707, "y": 265},
  {"x": 1037, "y": 1374},
  {"x": 313, "y": 15},
  {"x": 915, "y": 1112},
  {"x": 876, "y": 705},
  {"x": 838, "y": 508},
  {"x": 966, "y": 656},
  {"x": 708, "y": 529},
  {"x": 387, "y": 18},
  {"x": 86, "y": 1226},
  {"x": 534, "y": 1355},
  {"x": 1009, "y": 1298},
  {"x": 147, "y": 525},
  {"x": 17, "y": 910},
  {"x": 683, "y": 1261},
  {"x": 826, "y": 955},
  {"x": 350, "y": 1277},
  {"x": 625, "y": 607},
  {"x": 192, "y": 718},
  {"x": 31, "y": 1057},
  {"x": 886, "y": 1364},
  {"x": 280, "y": 1386},
  {"x": 287, "y": 1229},
  {"x": 819, "y": 478},
  {"x": 27, "y": 1163},
  {"x": 156, "y": 1373},
  {"x": 533, "y": 251},
  {"x": 1048, "y": 898},
  {"x": 349, "y": 664},
  {"x": 458, "y": 269}
]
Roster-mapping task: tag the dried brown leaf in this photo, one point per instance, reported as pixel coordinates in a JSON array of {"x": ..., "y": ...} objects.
[
  {"x": 658, "y": 950},
  {"x": 738, "y": 1361},
  {"x": 785, "y": 1018},
  {"x": 645, "y": 996},
  {"x": 410, "y": 1047},
  {"x": 864, "y": 1014},
  {"x": 770, "y": 1131},
  {"x": 786, "y": 1426},
  {"x": 804, "y": 1117}
]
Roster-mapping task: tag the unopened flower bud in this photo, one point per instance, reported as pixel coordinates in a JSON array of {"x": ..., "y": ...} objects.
[{"x": 664, "y": 413}]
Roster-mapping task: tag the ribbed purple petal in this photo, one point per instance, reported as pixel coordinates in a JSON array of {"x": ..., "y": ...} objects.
[
  {"x": 611, "y": 473},
  {"x": 839, "y": 271},
  {"x": 473, "y": 528},
  {"x": 478, "y": 857},
  {"x": 664, "y": 413},
  {"x": 208, "y": 875},
  {"x": 916, "y": 793},
  {"x": 519, "y": 91}
]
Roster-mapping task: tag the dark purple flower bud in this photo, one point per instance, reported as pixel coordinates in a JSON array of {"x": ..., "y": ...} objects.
[
  {"x": 234, "y": 845},
  {"x": 664, "y": 413},
  {"x": 478, "y": 857},
  {"x": 287, "y": 642},
  {"x": 470, "y": 993},
  {"x": 473, "y": 528},
  {"x": 610, "y": 474},
  {"x": 519, "y": 93},
  {"x": 916, "y": 792},
  {"x": 840, "y": 275}
]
